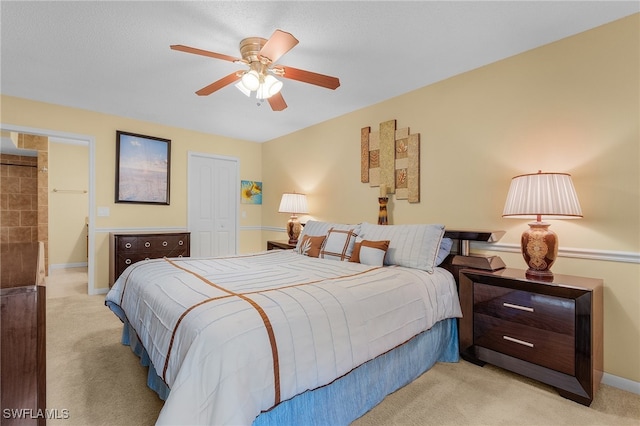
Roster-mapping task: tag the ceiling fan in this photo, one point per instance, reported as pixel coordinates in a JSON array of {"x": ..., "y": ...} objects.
[{"x": 260, "y": 55}]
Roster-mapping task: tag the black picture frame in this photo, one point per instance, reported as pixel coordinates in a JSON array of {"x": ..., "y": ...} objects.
[{"x": 143, "y": 169}]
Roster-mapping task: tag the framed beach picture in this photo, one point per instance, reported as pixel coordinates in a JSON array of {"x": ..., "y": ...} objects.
[
  {"x": 251, "y": 192},
  {"x": 143, "y": 165}
]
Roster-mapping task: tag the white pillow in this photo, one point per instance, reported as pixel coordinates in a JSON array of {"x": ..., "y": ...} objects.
[
  {"x": 369, "y": 252},
  {"x": 316, "y": 228},
  {"x": 413, "y": 246},
  {"x": 338, "y": 245},
  {"x": 444, "y": 250}
]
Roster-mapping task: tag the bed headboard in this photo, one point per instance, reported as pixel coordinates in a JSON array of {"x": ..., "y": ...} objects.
[{"x": 462, "y": 259}]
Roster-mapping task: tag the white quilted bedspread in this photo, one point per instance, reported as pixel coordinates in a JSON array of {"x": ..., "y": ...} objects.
[{"x": 234, "y": 336}]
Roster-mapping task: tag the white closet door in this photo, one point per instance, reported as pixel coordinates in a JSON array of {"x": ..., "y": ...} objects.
[{"x": 213, "y": 197}]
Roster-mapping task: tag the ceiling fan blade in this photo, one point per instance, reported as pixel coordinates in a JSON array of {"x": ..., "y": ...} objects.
[
  {"x": 217, "y": 85},
  {"x": 321, "y": 80},
  {"x": 196, "y": 51},
  {"x": 277, "y": 102},
  {"x": 280, "y": 43}
]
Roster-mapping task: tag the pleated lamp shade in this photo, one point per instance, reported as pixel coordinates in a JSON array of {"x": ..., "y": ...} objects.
[
  {"x": 293, "y": 203},
  {"x": 550, "y": 195}
]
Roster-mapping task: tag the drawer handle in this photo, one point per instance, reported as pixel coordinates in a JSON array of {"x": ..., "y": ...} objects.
[
  {"x": 128, "y": 245},
  {"x": 128, "y": 261},
  {"x": 180, "y": 242},
  {"x": 522, "y": 308},
  {"x": 164, "y": 244},
  {"x": 147, "y": 244},
  {"x": 518, "y": 341}
]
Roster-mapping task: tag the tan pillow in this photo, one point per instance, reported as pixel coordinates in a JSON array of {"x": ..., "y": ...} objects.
[
  {"x": 310, "y": 246},
  {"x": 369, "y": 252}
]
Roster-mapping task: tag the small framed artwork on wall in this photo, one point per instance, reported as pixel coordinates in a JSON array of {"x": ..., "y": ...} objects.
[
  {"x": 251, "y": 192},
  {"x": 143, "y": 167}
]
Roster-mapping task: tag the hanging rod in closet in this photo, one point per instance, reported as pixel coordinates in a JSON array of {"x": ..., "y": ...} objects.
[{"x": 70, "y": 191}]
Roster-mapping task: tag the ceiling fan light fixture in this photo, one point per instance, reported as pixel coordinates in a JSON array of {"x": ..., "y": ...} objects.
[
  {"x": 261, "y": 93},
  {"x": 271, "y": 85},
  {"x": 251, "y": 80},
  {"x": 243, "y": 89}
]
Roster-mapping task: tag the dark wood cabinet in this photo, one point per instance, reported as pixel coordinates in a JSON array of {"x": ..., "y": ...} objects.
[
  {"x": 23, "y": 372},
  {"x": 280, "y": 245},
  {"x": 549, "y": 331},
  {"x": 128, "y": 248}
]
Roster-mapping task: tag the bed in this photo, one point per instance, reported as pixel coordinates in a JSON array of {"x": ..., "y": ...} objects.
[{"x": 315, "y": 335}]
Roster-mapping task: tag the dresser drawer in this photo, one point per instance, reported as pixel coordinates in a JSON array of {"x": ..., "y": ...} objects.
[
  {"x": 539, "y": 346},
  {"x": 125, "y": 259},
  {"x": 163, "y": 243},
  {"x": 127, "y": 249},
  {"x": 531, "y": 309}
]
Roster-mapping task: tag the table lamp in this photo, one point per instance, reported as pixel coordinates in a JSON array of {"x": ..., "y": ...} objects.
[
  {"x": 293, "y": 204},
  {"x": 551, "y": 195}
]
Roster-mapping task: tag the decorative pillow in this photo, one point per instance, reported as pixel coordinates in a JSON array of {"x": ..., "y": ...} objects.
[
  {"x": 369, "y": 252},
  {"x": 413, "y": 246},
  {"x": 338, "y": 245},
  {"x": 310, "y": 246},
  {"x": 444, "y": 250},
  {"x": 315, "y": 228}
]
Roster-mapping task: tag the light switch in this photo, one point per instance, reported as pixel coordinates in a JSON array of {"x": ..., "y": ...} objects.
[{"x": 103, "y": 211}]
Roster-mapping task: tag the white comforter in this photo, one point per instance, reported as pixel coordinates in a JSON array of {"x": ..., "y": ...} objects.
[{"x": 234, "y": 336}]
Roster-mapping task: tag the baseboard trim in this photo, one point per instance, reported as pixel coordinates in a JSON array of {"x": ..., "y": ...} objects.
[
  {"x": 67, "y": 266},
  {"x": 621, "y": 383}
]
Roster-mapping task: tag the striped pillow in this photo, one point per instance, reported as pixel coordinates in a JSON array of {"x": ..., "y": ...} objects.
[
  {"x": 338, "y": 245},
  {"x": 316, "y": 228},
  {"x": 413, "y": 246}
]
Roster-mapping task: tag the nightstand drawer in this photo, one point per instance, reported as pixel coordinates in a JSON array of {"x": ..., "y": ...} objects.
[
  {"x": 539, "y": 346},
  {"x": 531, "y": 309}
]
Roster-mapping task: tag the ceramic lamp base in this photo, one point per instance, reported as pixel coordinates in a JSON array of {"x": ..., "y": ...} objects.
[
  {"x": 540, "y": 250},
  {"x": 293, "y": 229}
]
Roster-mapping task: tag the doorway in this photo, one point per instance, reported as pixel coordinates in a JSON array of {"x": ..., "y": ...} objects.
[
  {"x": 213, "y": 187},
  {"x": 68, "y": 205},
  {"x": 76, "y": 139}
]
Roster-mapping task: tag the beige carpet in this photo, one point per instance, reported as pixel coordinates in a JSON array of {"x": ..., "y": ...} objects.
[{"x": 101, "y": 382}]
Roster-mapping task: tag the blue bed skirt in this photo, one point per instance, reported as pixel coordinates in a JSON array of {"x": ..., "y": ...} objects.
[{"x": 366, "y": 386}]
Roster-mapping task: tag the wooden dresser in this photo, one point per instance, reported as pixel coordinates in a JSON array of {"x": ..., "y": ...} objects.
[
  {"x": 126, "y": 248},
  {"x": 22, "y": 334},
  {"x": 549, "y": 331}
]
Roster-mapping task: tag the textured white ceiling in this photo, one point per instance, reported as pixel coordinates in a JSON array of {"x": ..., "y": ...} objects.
[{"x": 114, "y": 57}]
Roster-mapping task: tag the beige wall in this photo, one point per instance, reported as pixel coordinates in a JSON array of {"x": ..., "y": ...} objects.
[
  {"x": 68, "y": 203},
  {"x": 571, "y": 106}
]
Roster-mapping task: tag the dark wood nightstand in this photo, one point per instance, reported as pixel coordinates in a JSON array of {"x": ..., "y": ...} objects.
[
  {"x": 280, "y": 245},
  {"x": 548, "y": 331}
]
